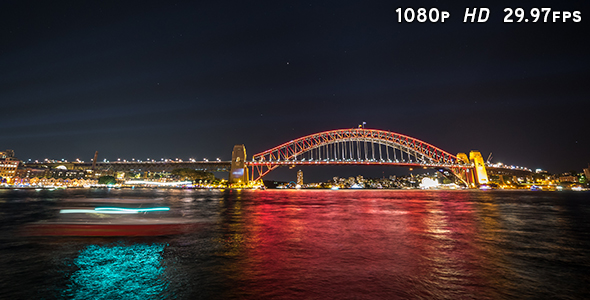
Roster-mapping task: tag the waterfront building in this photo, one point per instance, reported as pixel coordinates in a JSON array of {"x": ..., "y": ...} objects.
[
  {"x": 66, "y": 173},
  {"x": 8, "y": 164},
  {"x": 32, "y": 172},
  {"x": 569, "y": 178},
  {"x": 8, "y": 168}
]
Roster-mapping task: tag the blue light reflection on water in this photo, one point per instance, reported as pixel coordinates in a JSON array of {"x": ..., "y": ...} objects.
[{"x": 118, "y": 271}]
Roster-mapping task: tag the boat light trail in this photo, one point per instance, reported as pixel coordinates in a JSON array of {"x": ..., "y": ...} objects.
[{"x": 112, "y": 210}]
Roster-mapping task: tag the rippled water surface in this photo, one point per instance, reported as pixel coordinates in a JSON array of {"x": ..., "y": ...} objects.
[{"x": 307, "y": 245}]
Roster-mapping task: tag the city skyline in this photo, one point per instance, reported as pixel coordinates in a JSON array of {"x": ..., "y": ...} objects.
[{"x": 184, "y": 80}]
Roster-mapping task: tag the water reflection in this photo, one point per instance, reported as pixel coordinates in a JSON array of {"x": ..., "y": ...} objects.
[
  {"x": 311, "y": 245},
  {"x": 118, "y": 272},
  {"x": 315, "y": 244}
]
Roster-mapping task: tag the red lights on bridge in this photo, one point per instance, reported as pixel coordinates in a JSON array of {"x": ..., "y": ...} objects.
[{"x": 356, "y": 146}]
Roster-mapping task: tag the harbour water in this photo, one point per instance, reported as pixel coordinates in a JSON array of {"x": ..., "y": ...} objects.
[{"x": 307, "y": 244}]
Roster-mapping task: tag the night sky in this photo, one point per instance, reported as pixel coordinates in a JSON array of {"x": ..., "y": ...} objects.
[{"x": 164, "y": 79}]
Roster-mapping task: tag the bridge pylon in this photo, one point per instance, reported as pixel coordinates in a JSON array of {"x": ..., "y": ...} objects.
[
  {"x": 479, "y": 167},
  {"x": 464, "y": 174},
  {"x": 238, "y": 175},
  {"x": 475, "y": 175}
]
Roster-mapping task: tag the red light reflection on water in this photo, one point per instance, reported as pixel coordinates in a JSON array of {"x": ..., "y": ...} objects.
[{"x": 370, "y": 244}]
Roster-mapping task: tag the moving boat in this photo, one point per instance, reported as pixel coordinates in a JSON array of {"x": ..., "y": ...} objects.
[{"x": 112, "y": 221}]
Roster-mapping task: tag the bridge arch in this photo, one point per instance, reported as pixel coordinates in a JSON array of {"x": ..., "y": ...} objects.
[{"x": 352, "y": 146}]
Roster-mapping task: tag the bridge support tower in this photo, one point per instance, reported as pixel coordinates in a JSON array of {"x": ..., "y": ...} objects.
[
  {"x": 479, "y": 168},
  {"x": 464, "y": 174},
  {"x": 238, "y": 175},
  {"x": 476, "y": 175}
]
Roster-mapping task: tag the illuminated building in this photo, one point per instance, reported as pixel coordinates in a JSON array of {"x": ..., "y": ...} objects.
[
  {"x": 65, "y": 173},
  {"x": 569, "y": 178},
  {"x": 8, "y": 164},
  {"x": 300, "y": 178},
  {"x": 32, "y": 172},
  {"x": 6, "y": 154},
  {"x": 8, "y": 168},
  {"x": 360, "y": 179}
]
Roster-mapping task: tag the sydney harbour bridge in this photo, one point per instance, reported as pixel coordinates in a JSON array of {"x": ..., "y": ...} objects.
[{"x": 353, "y": 146}]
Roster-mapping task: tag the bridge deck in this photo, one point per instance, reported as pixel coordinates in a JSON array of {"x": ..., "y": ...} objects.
[{"x": 210, "y": 166}]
